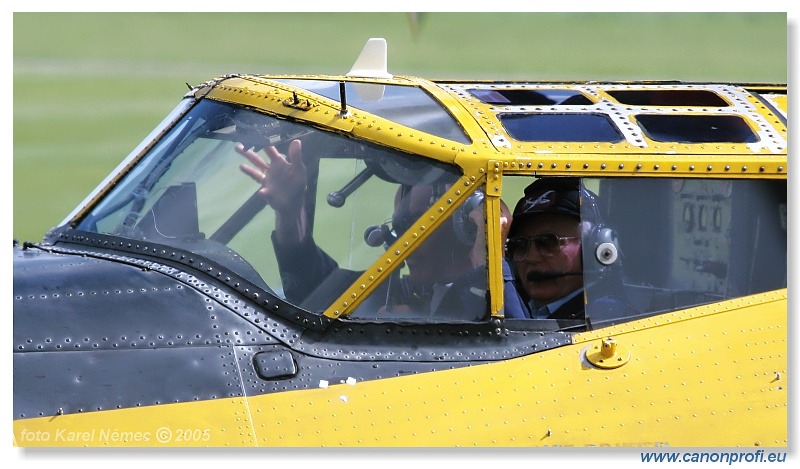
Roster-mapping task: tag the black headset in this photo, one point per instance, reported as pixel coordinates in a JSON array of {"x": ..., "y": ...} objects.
[
  {"x": 464, "y": 227},
  {"x": 598, "y": 238}
]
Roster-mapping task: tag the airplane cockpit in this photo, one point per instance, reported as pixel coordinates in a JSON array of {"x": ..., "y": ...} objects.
[
  {"x": 190, "y": 193},
  {"x": 359, "y": 206}
]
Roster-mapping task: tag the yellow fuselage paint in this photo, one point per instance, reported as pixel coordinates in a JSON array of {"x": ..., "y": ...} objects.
[{"x": 712, "y": 376}]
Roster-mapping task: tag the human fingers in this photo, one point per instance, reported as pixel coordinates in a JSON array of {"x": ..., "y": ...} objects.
[
  {"x": 295, "y": 152},
  {"x": 274, "y": 155},
  {"x": 251, "y": 156},
  {"x": 257, "y": 175}
]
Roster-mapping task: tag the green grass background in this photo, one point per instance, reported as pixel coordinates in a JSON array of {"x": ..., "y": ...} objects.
[{"x": 87, "y": 87}]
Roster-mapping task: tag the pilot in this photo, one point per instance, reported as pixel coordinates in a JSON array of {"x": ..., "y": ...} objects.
[
  {"x": 544, "y": 249},
  {"x": 445, "y": 277}
]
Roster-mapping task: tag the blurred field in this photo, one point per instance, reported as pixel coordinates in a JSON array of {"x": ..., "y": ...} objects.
[{"x": 89, "y": 86}]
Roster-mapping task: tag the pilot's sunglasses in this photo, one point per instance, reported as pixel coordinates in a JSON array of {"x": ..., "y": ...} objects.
[{"x": 547, "y": 244}]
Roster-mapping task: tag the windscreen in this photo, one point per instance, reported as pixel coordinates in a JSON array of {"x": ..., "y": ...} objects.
[{"x": 296, "y": 211}]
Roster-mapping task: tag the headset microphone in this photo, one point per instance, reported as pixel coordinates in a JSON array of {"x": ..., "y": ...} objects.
[{"x": 538, "y": 275}]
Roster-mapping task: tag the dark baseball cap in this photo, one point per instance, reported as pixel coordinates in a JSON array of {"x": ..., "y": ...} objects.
[{"x": 550, "y": 195}]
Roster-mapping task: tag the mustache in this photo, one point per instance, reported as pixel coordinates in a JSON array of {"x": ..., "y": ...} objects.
[{"x": 539, "y": 275}]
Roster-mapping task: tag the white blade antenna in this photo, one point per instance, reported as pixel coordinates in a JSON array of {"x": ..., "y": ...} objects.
[{"x": 371, "y": 62}]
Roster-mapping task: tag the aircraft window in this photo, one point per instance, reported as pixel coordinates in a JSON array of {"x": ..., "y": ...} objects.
[
  {"x": 561, "y": 127},
  {"x": 326, "y": 217},
  {"x": 392, "y": 102},
  {"x": 687, "y": 128},
  {"x": 531, "y": 97},
  {"x": 692, "y": 98},
  {"x": 655, "y": 245},
  {"x": 684, "y": 242}
]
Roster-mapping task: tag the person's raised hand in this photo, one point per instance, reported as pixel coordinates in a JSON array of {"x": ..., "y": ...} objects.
[{"x": 282, "y": 179}]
